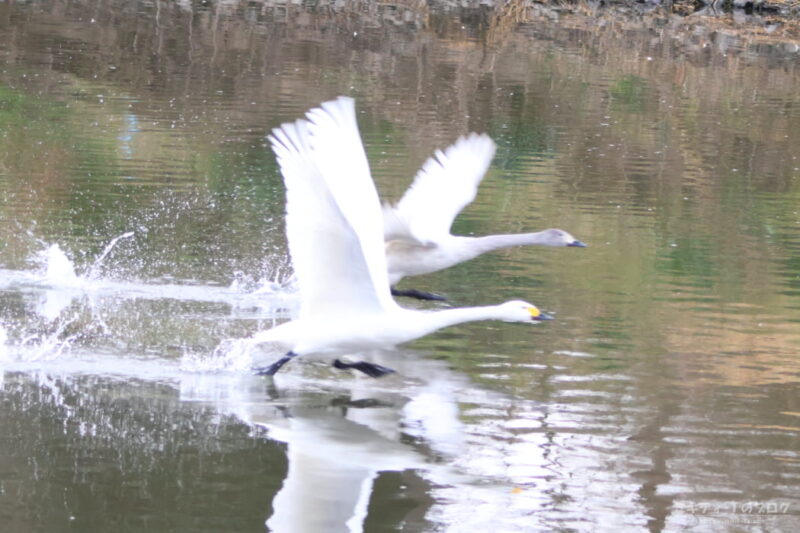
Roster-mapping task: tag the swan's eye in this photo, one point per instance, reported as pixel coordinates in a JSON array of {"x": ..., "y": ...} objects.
[{"x": 534, "y": 311}]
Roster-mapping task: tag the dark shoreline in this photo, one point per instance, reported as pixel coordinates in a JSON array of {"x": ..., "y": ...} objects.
[{"x": 775, "y": 22}]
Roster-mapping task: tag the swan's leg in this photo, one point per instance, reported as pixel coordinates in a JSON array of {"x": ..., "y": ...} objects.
[
  {"x": 274, "y": 367},
  {"x": 369, "y": 369},
  {"x": 419, "y": 295}
]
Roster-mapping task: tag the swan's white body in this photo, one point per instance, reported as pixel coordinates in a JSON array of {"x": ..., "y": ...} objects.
[
  {"x": 335, "y": 232},
  {"x": 417, "y": 228}
]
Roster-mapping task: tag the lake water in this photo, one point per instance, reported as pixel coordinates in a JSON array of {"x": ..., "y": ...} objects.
[{"x": 141, "y": 234}]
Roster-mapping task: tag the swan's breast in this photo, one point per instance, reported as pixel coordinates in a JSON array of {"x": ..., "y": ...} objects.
[{"x": 409, "y": 259}]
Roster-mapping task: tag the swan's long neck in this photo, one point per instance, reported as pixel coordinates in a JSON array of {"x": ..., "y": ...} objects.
[
  {"x": 430, "y": 321},
  {"x": 495, "y": 242},
  {"x": 466, "y": 248}
]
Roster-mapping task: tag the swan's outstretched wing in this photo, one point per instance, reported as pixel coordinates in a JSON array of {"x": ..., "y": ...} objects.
[
  {"x": 340, "y": 157},
  {"x": 446, "y": 184},
  {"x": 332, "y": 273}
]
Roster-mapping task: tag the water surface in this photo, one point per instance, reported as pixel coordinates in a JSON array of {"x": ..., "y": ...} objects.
[{"x": 664, "y": 396}]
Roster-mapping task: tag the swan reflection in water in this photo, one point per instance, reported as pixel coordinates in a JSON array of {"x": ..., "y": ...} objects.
[{"x": 342, "y": 434}]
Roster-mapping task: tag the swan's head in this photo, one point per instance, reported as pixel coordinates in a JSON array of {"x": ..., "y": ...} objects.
[
  {"x": 521, "y": 311},
  {"x": 559, "y": 237}
]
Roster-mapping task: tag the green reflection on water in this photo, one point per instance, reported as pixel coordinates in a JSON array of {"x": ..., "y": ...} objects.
[
  {"x": 629, "y": 94},
  {"x": 521, "y": 134},
  {"x": 92, "y": 171},
  {"x": 690, "y": 258},
  {"x": 103, "y": 455}
]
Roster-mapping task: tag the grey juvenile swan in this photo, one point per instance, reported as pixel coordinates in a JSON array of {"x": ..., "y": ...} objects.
[{"x": 417, "y": 228}]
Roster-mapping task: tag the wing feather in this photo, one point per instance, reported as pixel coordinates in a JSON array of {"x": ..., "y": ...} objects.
[
  {"x": 340, "y": 156},
  {"x": 327, "y": 256},
  {"x": 446, "y": 183}
]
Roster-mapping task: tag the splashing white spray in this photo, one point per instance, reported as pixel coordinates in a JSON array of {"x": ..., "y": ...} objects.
[
  {"x": 56, "y": 267},
  {"x": 91, "y": 273},
  {"x": 3, "y": 346}
]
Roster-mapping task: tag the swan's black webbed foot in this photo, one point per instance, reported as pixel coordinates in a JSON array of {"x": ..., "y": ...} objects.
[
  {"x": 369, "y": 369},
  {"x": 274, "y": 367},
  {"x": 419, "y": 295}
]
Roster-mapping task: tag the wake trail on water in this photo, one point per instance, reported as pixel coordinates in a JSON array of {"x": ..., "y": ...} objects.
[{"x": 66, "y": 306}]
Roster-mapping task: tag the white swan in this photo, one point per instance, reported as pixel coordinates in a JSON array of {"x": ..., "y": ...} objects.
[
  {"x": 335, "y": 234},
  {"x": 417, "y": 228}
]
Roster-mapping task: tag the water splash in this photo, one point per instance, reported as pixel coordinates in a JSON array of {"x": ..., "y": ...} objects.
[
  {"x": 3, "y": 340},
  {"x": 55, "y": 267},
  {"x": 56, "y": 270},
  {"x": 272, "y": 292},
  {"x": 277, "y": 278},
  {"x": 91, "y": 272},
  {"x": 70, "y": 306},
  {"x": 60, "y": 285},
  {"x": 34, "y": 343},
  {"x": 47, "y": 347},
  {"x": 231, "y": 355}
]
